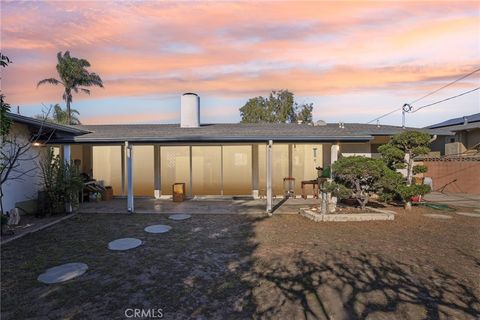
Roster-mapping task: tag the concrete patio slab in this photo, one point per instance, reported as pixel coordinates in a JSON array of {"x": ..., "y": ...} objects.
[
  {"x": 437, "y": 216},
  {"x": 469, "y": 214},
  {"x": 158, "y": 228},
  {"x": 196, "y": 206},
  {"x": 455, "y": 199},
  {"x": 124, "y": 244},
  {"x": 63, "y": 273}
]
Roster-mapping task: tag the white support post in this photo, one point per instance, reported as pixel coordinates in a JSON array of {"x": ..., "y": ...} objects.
[
  {"x": 67, "y": 154},
  {"x": 123, "y": 155},
  {"x": 269, "y": 177},
  {"x": 156, "y": 172},
  {"x": 255, "y": 184},
  {"x": 333, "y": 155},
  {"x": 129, "y": 154}
]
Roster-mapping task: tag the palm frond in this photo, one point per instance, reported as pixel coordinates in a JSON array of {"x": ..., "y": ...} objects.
[
  {"x": 50, "y": 81},
  {"x": 85, "y": 91}
]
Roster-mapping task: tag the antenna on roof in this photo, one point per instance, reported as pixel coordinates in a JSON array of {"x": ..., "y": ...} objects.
[{"x": 378, "y": 123}]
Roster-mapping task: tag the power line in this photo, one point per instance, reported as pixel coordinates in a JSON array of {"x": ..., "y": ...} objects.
[
  {"x": 383, "y": 116},
  {"x": 429, "y": 94},
  {"x": 447, "y": 85},
  {"x": 446, "y": 99}
]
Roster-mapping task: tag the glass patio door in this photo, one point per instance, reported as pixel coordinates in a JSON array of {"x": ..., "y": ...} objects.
[{"x": 206, "y": 170}]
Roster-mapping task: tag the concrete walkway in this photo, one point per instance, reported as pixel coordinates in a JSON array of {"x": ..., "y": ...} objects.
[
  {"x": 454, "y": 199},
  {"x": 203, "y": 206}
]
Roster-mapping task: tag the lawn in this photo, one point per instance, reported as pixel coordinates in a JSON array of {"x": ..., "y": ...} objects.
[{"x": 245, "y": 266}]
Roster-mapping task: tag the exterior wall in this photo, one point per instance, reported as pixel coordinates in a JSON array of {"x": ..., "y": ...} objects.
[
  {"x": 473, "y": 138},
  {"x": 355, "y": 149},
  {"x": 304, "y": 161},
  {"x": 454, "y": 175},
  {"x": 27, "y": 188},
  {"x": 107, "y": 166}
]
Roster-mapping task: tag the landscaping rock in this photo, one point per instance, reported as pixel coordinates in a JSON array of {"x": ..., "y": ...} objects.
[{"x": 63, "y": 273}]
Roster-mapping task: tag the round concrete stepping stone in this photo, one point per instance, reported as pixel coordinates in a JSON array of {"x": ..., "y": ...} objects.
[
  {"x": 124, "y": 244},
  {"x": 469, "y": 214},
  {"x": 179, "y": 216},
  {"x": 158, "y": 228},
  {"x": 437, "y": 216},
  {"x": 63, "y": 273}
]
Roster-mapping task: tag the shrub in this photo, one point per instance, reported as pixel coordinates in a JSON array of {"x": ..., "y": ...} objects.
[
  {"x": 361, "y": 175},
  {"x": 336, "y": 189},
  {"x": 407, "y": 192},
  {"x": 61, "y": 181}
]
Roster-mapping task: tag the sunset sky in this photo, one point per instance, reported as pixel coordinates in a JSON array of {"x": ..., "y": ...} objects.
[{"x": 353, "y": 60}]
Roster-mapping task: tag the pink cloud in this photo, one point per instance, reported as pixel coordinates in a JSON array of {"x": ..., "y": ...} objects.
[{"x": 240, "y": 48}]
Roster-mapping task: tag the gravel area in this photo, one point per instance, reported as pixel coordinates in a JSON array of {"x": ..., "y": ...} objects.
[{"x": 247, "y": 266}]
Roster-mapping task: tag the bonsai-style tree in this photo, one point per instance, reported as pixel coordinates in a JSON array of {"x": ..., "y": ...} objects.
[
  {"x": 402, "y": 150},
  {"x": 363, "y": 176},
  {"x": 400, "y": 153},
  {"x": 74, "y": 77}
]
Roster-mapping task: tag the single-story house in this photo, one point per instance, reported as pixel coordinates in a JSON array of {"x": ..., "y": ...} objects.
[
  {"x": 213, "y": 159},
  {"x": 454, "y": 164},
  {"x": 465, "y": 138}
]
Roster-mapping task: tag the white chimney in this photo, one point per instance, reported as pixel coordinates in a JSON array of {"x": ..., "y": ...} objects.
[{"x": 190, "y": 110}]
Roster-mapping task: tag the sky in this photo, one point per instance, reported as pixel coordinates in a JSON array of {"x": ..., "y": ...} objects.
[{"x": 353, "y": 60}]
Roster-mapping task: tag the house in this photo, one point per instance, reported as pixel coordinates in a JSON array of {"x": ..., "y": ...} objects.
[
  {"x": 29, "y": 134},
  {"x": 454, "y": 165},
  {"x": 145, "y": 160},
  {"x": 465, "y": 139}
]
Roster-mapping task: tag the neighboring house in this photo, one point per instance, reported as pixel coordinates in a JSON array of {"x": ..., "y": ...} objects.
[
  {"x": 465, "y": 140},
  {"x": 454, "y": 165},
  {"x": 33, "y": 133},
  {"x": 214, "y": 159}
]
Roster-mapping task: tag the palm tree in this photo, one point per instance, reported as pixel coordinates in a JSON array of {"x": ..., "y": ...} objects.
[
  {"x": 73, "y": 77},
  {"x": 60, "y": 115}
]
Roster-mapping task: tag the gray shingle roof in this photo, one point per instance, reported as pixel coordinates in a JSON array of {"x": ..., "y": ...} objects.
[
  {"x": 457, "y": 121},
  {"x": 233, "y": 132}
]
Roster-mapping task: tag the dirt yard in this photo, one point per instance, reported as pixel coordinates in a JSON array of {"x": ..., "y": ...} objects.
[{"x": 244, "y": 266}]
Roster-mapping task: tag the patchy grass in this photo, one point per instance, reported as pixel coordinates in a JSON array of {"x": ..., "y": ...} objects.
[{"x": 241, "y": 266}]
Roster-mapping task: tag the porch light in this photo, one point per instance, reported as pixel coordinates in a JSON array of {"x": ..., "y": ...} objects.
[{"x": 36, "y": 144}]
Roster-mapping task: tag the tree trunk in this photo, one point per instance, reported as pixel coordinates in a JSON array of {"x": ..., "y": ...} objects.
[
  {"x": 69, "y": 113},
  {"x": 409, "y": 169},
  {"x": 1, "y": 199},
  {"x": 408, "y": 205}
]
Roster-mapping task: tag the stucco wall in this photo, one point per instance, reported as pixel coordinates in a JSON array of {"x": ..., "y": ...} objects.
[
  {"x": 26, "y": 188},
  {"x": 454, "y": 175}
]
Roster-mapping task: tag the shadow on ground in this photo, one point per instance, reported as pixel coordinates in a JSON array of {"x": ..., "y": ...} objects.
[
  {"x": 218, "y": 267},
  {"x": 353, "y": 285}
]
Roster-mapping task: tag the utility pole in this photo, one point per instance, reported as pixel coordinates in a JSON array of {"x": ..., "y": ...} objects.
[{"x": 406, "y": 108}]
